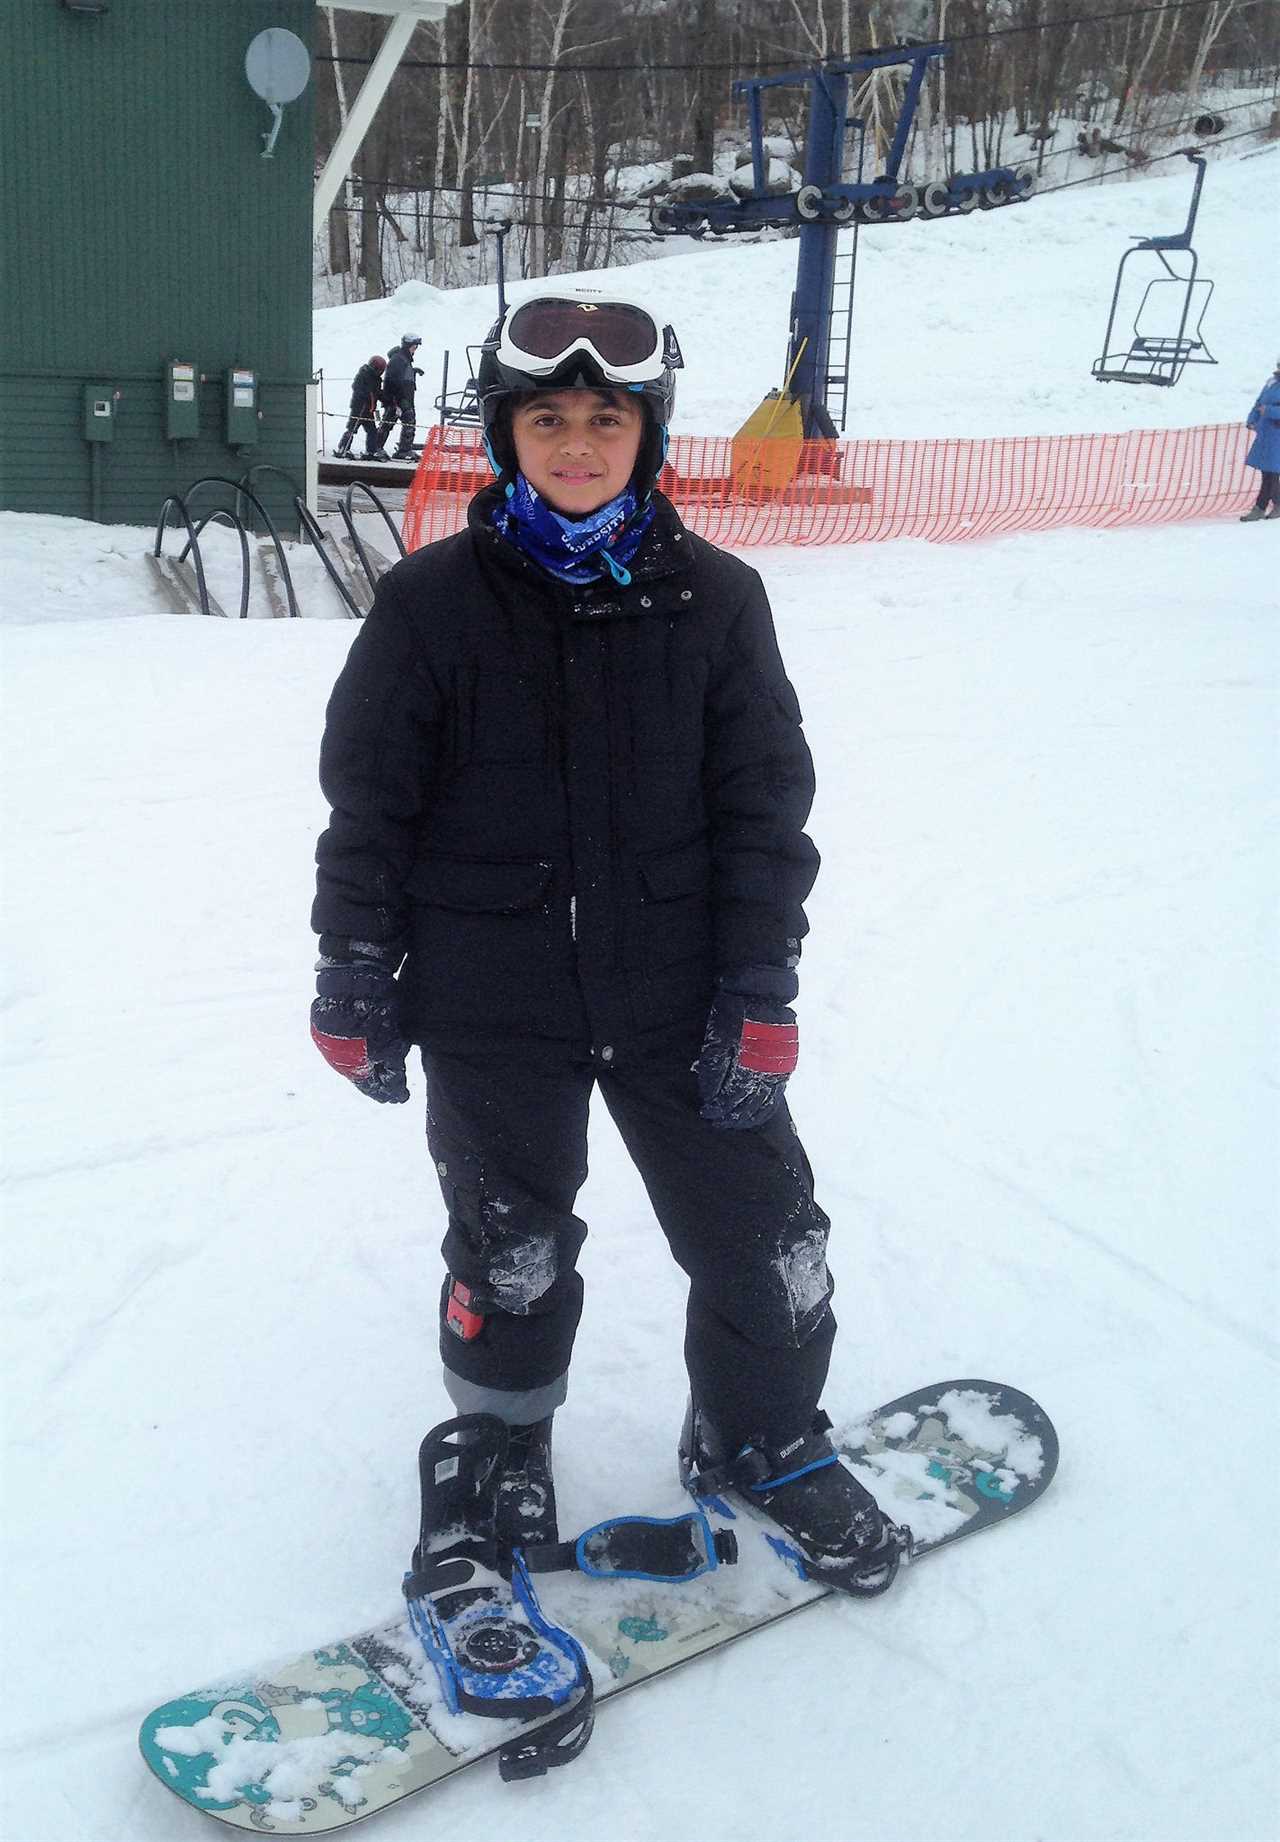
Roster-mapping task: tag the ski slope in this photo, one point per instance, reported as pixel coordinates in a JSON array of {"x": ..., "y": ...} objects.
[
  {"x": 1037, "y": 1084},
  {"x": 983, "y": 325}
]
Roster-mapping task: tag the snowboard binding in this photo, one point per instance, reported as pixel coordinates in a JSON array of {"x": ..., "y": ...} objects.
[
  {"x": 475, "y": 1612},
  {"x": 838, "y": 1533},
  {"x": 472, "y": 1602}
]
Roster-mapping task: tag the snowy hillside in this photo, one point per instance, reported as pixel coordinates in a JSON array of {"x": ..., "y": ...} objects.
[
  {"x": 983, "y": 325},
  {"x": 1037, "y": 1084}
]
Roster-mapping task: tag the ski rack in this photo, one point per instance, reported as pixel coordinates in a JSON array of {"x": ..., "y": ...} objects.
[
  {"x": 1161, "y": 358},
  {"x": 184, "y": 583}
]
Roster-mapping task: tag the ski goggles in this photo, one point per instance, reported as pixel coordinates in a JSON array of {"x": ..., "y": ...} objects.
[{"x": 625, "y": 341}]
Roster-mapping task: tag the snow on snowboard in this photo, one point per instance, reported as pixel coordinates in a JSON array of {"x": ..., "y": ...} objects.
[{"x": 313, "y": 1744}]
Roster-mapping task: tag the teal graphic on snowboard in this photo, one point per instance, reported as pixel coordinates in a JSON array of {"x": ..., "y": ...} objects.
[{"x": 321, "y": 1741}]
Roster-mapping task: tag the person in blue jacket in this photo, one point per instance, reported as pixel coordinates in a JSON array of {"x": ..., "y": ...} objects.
[{"x": 1264, "y": 420}]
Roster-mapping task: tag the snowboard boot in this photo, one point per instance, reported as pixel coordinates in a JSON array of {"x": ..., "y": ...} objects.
[
  {"x": 844, "y": 1538},
  {"x": 526, "y": 1490},
  {"x": 344, "y": 445},
  {"x": 1254, "y": 513}
]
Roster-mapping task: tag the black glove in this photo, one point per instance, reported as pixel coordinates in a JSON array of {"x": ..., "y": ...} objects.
[
  {"x": 750, "y": 1048},
  {"x": 417, "y": 371},
  {"x": 354, "y": 1021}
]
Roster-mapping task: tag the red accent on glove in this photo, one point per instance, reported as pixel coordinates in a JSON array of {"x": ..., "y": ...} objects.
[
  {"x": 461, "y": 1320},
  {"x": 768, "y": 1048},
  {"x": 348, "y": 1054}
]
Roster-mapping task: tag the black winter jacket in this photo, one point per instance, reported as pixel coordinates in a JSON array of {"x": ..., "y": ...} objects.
[
  {"x": 399, "y": 380},
  {"x": 366, "y": 387},
  {"x": 574, "y": 806}
]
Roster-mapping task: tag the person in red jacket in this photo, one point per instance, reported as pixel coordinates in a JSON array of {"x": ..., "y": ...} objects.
[{"x": 568, "y": 785}]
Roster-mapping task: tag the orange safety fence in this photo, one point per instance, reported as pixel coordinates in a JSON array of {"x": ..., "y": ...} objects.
[{"x": 743, "y": 492}]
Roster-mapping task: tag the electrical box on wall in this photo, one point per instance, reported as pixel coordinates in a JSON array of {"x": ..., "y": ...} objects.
[
  {"x": 99, "y": 412},
  {"x": 242, "y": 407},
  {"x": 181, "y": 400}
]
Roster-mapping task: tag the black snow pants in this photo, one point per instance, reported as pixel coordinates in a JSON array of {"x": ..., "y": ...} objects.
[
  {"x": 363, "y": 417},
  {"x": 507, "y": 1128},
  {"x": 402, "y": 410}
]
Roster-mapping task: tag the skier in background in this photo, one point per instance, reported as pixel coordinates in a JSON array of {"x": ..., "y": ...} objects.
[
  {"x": 399, "y": 386},
  {"x": 568, "y": 786},
  {"x": 1264, "y": 451},
  {"x": 365, "y": 388}
]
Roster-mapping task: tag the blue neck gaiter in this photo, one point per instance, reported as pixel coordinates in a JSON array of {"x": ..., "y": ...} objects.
[{"x": 574, "y": 549}]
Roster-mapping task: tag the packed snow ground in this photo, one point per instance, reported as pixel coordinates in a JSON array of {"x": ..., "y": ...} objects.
[{"x": 1037, "y": 1085}]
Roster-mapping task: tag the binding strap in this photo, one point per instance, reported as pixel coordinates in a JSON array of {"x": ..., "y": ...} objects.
[
  {"x": 673, "y": 1549},
  {"x": 759, "y": 1468},
  {"x": 556, "y": 1742}
]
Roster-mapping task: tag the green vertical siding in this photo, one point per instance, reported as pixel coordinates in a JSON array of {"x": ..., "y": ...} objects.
[{"x": 139, "y": 222}]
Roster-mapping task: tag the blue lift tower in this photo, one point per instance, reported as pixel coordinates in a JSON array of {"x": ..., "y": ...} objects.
[{"x": 826, "y": 202}]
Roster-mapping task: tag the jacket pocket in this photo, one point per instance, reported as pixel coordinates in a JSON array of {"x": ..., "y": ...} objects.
[
  {"x": 474, "y": 887},
  {"x": 683, "y": 871},
  {"x": 673, "y": 927}
]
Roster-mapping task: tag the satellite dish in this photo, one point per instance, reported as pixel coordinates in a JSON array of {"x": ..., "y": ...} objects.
[
  {"x": 278, "y": 68},
  {"x": 278, "y": 65}
]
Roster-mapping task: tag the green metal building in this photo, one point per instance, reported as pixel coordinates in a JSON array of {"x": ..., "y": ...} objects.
[{"x": 155, "y": 287}]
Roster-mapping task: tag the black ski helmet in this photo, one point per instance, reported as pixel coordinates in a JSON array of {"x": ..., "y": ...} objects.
[{"x": 502, "y": 375}]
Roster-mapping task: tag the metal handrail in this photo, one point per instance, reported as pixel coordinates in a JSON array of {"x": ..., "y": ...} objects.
[
  {"x": 344, "y": 507},
  {"x": 219, "y": 479},
  {"x": 222, "y": 516},
  {"x": 202, "y": 586}
]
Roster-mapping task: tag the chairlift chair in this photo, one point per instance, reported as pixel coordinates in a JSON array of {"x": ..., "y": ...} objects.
[{"x": 1167, "y": 332}]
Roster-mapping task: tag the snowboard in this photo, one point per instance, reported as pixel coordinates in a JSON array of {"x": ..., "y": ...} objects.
[{"x": 323, "y": 1740}]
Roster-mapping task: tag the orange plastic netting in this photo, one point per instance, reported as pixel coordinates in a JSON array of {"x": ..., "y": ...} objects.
[{"x": 743, "y": 492}]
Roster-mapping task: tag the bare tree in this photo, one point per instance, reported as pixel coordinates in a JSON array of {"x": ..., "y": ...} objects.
[{"x": 340, "y": 215}]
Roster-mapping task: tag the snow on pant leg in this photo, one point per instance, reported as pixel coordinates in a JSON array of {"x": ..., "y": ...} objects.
[
  {"x": 739, "y": 1212},
  {"x": 507, "y": 1131}
]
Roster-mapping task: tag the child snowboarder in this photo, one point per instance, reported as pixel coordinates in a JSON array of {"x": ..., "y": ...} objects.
[
  {"x": 569, "y": 783},
  {"x": 366, "y": 386},
  {"x": 1264, "y": 450}
]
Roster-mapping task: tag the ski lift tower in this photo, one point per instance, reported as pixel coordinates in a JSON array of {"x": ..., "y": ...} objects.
[{"x": 826, "y": 202}]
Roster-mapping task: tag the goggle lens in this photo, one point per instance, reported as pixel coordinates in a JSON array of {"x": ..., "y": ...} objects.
[{"x": 619, "y": 333}]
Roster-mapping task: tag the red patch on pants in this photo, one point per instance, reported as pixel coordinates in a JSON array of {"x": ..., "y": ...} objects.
[{"x": 462, "y": 1321}]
